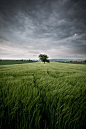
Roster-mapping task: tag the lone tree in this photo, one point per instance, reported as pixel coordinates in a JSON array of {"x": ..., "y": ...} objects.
[{"x": 44, "y": 58}]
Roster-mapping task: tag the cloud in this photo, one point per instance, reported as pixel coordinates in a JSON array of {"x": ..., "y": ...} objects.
[{"x": 57, "y": 28}]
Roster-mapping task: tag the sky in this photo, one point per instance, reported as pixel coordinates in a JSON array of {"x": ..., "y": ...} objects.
[{"x": 53, "y": 27}]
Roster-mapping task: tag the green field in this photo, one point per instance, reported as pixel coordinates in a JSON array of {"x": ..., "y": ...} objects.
[{"x": 42, "y": 96}]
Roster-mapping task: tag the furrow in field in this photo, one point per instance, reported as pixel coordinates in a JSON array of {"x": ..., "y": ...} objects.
[
  {"x": 34, "y": 81},
  {"x": 52, "y": 74}
]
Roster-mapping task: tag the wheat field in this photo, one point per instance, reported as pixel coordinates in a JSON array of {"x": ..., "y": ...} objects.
[{"x": 42, "y": 96}]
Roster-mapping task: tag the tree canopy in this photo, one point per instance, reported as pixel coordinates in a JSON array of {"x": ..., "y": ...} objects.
[{"x": 44, "y": 58}]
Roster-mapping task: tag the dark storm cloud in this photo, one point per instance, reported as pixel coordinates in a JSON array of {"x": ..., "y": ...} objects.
[{"x": 55, "y": 27}]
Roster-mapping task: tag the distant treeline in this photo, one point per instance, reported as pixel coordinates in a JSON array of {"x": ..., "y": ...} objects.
[
  {"x": 52, "y": 60},
  {"x": 18, "y": 60}
]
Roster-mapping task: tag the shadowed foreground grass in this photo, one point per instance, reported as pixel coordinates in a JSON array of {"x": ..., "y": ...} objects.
[{"x": 43, "y": 96}]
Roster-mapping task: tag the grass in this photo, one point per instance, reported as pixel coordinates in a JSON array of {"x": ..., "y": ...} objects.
[
  {"x": 6, "y": 62},
  {"x": 42, "y": 96}
]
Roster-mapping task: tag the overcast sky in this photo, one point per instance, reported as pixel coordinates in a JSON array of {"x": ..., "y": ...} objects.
[{"x": 54, "y": 27}]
